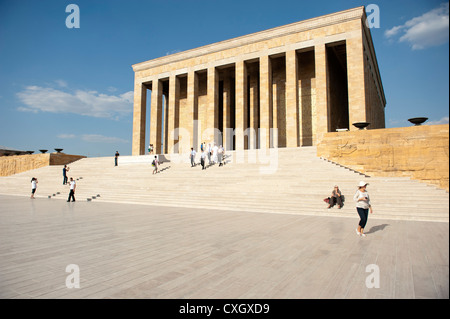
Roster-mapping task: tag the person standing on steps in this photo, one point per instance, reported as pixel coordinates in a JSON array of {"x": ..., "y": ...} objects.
[
  {"x": 192, "y": 156},
  {"x": 220, "y": 155},
  {"x": 209, "y": 153},
  {"x": 363, "y": 207},
  {"x": 116, "y": 158},
  {"x": 155, "y": 165},
  {"x": 65, "y": 171},
  {"x": 73, "y": 185},
  {"x": 203, "y": 159},
  {"x": 34, "y": 182}
]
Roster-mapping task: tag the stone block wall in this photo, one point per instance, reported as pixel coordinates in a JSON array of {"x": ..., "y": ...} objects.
[
  {"x": 10, "y": 165},
  {"x": 418, "y": 152}
]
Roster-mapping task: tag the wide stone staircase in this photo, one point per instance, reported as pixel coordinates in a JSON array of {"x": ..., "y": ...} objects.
[{"x": 285, "y": 181}]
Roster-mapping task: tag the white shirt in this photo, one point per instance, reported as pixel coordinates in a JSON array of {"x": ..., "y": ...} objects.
[
  {"x": 33, "y": 184},
  {"x": 362, "y": 203},
  {"x": 72, "y": 185}
]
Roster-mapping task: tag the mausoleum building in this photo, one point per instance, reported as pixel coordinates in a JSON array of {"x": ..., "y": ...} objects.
[{"x": 283, "y": 87}]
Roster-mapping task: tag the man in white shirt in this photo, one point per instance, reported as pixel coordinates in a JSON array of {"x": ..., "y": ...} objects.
[
  {"x": 208, "y": 153},
  {"x": 73, "y": 185},
  {"x": 193, "y": 153},
  {"x": 214, "y": 153},
  {"x": 203, "y": 159}
]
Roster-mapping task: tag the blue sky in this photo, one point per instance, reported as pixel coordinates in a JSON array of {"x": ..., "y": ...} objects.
[{"x": 72, "y": 88}]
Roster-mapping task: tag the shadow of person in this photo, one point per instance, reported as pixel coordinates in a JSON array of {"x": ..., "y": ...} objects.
[
  {"x": 376, "y": 228},
  {"x": 163, "y": 169}
]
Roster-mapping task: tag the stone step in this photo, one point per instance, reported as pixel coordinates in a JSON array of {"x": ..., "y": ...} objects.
[{"x": 299, "y": 185}]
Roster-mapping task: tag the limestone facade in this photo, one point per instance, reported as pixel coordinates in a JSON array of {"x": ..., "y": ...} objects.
[
  {"x": 418, "y": 152},
  {"x": 283, "y": 87},
  {"x": 10, "y": 165}
]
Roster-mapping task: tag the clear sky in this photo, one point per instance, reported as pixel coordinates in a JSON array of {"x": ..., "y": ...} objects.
[{"x": 73, "y": 88}]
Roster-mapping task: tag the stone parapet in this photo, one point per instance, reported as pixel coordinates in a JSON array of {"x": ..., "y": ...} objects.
[
  {"x": 418, "y": 152},
  {"x": 10, "y": 165}
]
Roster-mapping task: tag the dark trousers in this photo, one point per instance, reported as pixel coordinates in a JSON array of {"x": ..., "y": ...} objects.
[
  {"x": 335, "y": 200},
  {"x": 363, "y": 214},
  {"x": 71, "y": 195},
  {"x": 202, "y": 160},
  {"x": 65, "y": 180}
]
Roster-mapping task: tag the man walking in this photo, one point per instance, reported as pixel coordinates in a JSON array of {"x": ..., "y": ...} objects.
[
  {"x": 193, "y": 153},
  {"x": 203, "y": 159},
  {"x": 155, "y": 164},
  {"x": 73, "y": 185}
]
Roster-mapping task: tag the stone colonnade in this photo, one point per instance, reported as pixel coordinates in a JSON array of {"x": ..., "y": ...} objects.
[{"x": 284, "y": 87}]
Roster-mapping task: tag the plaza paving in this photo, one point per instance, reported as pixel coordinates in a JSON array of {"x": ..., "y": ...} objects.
[{"x": 137, "y": 251}]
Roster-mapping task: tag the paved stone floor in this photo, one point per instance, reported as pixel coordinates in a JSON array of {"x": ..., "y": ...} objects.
[{"x": 133, "y": 251}]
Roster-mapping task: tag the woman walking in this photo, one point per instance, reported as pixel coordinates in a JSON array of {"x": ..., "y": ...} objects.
[{"x": 363, "y": 207}]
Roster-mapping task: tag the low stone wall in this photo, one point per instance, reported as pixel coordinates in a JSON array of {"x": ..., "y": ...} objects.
[
  {"x": 418, "y": 152},
  {"x": 10, "y": 165}
]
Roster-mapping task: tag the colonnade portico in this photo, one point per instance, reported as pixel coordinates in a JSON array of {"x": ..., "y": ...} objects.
[{"x": 283, "y": 87}]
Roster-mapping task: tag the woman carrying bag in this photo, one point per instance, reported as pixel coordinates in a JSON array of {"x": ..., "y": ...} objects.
[{"x": 363, "y": 207}]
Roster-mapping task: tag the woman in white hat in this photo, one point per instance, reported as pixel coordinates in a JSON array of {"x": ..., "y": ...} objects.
[{"x": 363, "y": 206}]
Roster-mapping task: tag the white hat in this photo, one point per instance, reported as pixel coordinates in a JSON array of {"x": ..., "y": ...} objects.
[{"x": 362, "y": 184}]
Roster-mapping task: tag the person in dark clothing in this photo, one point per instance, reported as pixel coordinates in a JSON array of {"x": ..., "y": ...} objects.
[
  {"x": 65, "y": 170},
  {"x": 116, "y": 158},
  {"x": 336, "y": 197}
]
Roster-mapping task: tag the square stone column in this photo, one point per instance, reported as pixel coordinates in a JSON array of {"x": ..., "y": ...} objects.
[
  {"x": 292, "y": 110},
  {"x": 156, "y": 116},
  {"x": 174, "y": 96},
  {"x": 186, "y": 133},
  {"x": 265, "y": 104},
  {"x": 241, "y": 105},
  {"x": 139, "y": 114},
  {"x": 321, "y": 123},
  {"x": 227, "y": 133},
  {"x": 212, "y": 111},
  {"x": 356, "y": 81},
  {"x": 254, "y": 112}
]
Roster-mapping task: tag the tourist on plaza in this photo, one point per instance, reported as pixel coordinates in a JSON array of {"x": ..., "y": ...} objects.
[
  {"x": 34, "y": 182},
  {"x": 192, "y": 156},
  {"x": 203, "y": 159},
  {"x": 209, "y": 153},
  {"x": 363, "y": 207},
  {"x": 215, "y": 150},
  {"x": 220, "y": 155},
  {"x": 155, "y": 164},
  {"x": 73, "y": 185},
  {"x": 65, "y": 170},
  {"x": 116, "y": 158},
  {"x": 336, "y": 197}
]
